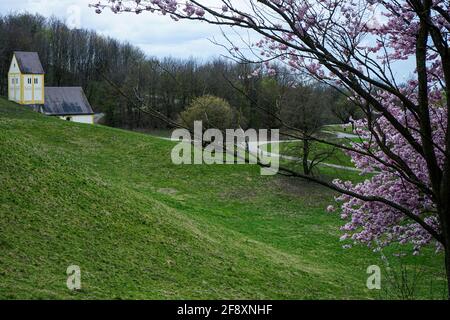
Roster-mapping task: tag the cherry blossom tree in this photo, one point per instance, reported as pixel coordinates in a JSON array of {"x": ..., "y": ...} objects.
[{"x": 355, "y": 47}]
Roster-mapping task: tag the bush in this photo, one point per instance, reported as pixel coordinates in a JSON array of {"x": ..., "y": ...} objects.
[{"x": 215, "y": 112}]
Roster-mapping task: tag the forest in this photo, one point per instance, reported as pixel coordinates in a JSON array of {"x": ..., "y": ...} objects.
[{"x": 118, "y": 78}]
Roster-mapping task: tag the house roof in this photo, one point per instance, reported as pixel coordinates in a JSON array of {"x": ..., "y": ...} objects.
[
  {"x": 66, "y": 101},
  {"x": 29, "y": 62}
]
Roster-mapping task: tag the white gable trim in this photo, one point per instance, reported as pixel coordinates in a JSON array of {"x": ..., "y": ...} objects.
[{"x": 14, "y": 67}]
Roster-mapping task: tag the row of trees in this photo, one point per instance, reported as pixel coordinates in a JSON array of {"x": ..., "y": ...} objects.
[{"x": 77, "y": 57}]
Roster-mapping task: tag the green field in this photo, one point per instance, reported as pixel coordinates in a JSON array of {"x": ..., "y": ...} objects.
[
  {"x": 140, "y": 227},
  {"x": 318, "y": 149}
]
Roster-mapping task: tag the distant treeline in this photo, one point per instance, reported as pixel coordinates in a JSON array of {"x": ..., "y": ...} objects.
[{"x": 78, "y": 57}]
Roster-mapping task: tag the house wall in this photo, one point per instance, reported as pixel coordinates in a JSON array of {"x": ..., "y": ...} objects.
[
  {"x": 38, "y": 89},
  {"x": 14, "y": 86},
  {"x": 89, "y": 118},
  {"x": 14, "y": 81},
  {"x": 33, "y": 89},
  {"x": 14, "y": 67},
  {"x": 28, "y": 88}
]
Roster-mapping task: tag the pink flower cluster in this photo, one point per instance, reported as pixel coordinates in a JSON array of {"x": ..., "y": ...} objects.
[{"x": 375, "y": 223}]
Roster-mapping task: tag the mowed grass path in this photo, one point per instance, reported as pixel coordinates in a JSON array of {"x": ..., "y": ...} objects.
[{"x": 140, "y": 227}]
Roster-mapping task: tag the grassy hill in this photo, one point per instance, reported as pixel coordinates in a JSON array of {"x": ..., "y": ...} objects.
[{"x": 112, "y": 202}]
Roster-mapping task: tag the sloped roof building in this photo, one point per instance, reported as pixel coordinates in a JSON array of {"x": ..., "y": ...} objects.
[
  {"x": 29, "y": 62},
  {"x": 61, "y": 101}
]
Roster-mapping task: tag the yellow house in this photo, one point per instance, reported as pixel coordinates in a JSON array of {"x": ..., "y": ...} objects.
[{"x": 26, "y": 79}]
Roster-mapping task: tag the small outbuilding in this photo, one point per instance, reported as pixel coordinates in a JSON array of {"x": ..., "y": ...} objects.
[
  {"x": 26, "y": 79},
  {"x": 68, "y": 103}
]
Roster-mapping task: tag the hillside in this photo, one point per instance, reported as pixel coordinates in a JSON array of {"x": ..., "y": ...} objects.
[{"x": 112, "y": 202}]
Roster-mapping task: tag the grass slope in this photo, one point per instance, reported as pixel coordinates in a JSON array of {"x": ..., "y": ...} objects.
[
  {"x": 112, "y": 202},
  {"x": 328, "y": 153}
]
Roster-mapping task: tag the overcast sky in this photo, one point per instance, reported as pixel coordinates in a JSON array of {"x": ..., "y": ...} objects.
[{"x": 156, "y": 35}]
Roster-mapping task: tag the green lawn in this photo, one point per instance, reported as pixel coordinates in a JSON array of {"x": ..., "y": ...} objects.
[
  {"x": 138, "y": 226},
  {"x": 333, "y": 154}
]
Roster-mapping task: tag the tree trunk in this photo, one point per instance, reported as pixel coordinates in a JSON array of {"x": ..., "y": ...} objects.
[
  {"x": 446, "y": 235},
  {"x": 444, "y": 217},
  {"x": 305, "y": 157},
  {"x": 444, "y": 214},
  {"x": 447, "y": 269}
]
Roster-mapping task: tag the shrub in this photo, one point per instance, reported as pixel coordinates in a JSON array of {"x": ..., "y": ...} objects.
[{"x": 215, "y": 112}]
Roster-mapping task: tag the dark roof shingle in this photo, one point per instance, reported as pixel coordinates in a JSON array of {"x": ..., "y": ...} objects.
[
  {"x": 66, "y": 101},
  {"x": 29, "y": 62}
]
